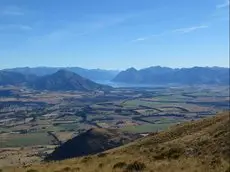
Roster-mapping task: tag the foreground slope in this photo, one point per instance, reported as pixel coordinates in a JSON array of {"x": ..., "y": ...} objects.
[{"x": 194, "y": 146}]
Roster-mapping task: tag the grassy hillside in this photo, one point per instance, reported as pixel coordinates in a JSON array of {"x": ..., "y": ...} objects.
[{"x": 197, "y": 146}]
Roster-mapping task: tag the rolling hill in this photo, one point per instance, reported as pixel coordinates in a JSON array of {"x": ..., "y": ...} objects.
[
  {"x": 164, "y": 75},
  {"x": 193, "y": 146},
  {"x": 92, "y": 141},
  {"x": 64, "y": 80}
]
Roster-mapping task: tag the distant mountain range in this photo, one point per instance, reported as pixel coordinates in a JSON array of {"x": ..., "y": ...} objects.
[
  {"x": 75, "y": 78},
  {"x": 165, "y": 75},
  {"x": 92, "y": 74},
  {"x": 62, "y": 80}
]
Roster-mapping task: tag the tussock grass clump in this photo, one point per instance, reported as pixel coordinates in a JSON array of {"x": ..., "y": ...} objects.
[
  {"x": 135, "y": 167},
  {"x": 66, "y": 169},
  {"x": 100, "y": 155},
  {"x": 228, "y": 169},
  {"x": 120, "y": 165},
  {"x": 215, "y": 161},
  {"x": 32, "y": 170},
  {"x": 86, "y": 159},
  {"x": 171, "y": 153},
  {"x": 100, "y": 165}
]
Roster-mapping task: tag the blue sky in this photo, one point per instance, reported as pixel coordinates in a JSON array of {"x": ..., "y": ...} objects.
[{"x": 114, "y": 34}]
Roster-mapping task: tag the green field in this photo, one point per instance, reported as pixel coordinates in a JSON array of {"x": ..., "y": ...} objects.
[
  {"x": 21, "y": 140},
  {"x": 137, "y": 102},
  {"x": 164, "y": 120},
  {"x": 3, "y": 129},
  {"x": 67, "y": 127}
]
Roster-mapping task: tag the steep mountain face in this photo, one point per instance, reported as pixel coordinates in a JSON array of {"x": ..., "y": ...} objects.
[
  {"x": 163, "y": 75},
  {"x": 92, "y": 74},
  {"x": 92, "y": 141},
  {"x": 11, "y": 78},
  {"x": 65, "y": 80}
]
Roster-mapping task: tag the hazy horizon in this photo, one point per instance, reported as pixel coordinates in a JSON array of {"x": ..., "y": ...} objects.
[{"x": 112, "y": 69}]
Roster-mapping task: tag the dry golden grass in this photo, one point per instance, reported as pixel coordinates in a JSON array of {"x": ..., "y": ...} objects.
[{"x": 201, "y": 146}]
